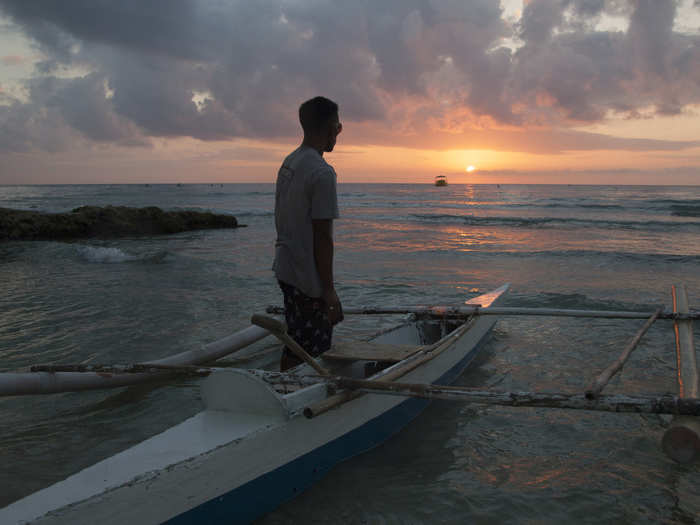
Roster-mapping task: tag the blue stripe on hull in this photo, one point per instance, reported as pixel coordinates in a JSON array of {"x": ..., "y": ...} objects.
[{"x": 263, "y": 494}]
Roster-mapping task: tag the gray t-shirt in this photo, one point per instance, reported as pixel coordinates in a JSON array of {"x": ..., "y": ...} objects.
[{"x": 305, "y": 190}]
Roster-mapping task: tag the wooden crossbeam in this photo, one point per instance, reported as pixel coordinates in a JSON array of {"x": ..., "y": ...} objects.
[
  {"x": 368, "y": 351},
  {"x": 393, "y": 372}
]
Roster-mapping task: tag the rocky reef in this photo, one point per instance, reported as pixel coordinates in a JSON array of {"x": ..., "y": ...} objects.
[{"x": 105, "y": 222}]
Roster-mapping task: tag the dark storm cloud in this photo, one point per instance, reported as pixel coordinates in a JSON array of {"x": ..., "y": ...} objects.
[
  {"x": 81, "y": 104},
  {"x": 539, "y": 20},
  {"x": 156, "y": 26},
  {"x": 398, "y": 63},
  {"x": 22, "y": 128}
]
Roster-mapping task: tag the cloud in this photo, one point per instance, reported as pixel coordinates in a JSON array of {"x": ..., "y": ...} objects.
[
  {"x": 71, "y": 110},
  {"x": 23, "y": 129},
  {"x": 583, "y": 75},
  {"x": 13, "y": 60},
  {"x": 435, "y": 67},
  {"x": 540, "y": 141}
]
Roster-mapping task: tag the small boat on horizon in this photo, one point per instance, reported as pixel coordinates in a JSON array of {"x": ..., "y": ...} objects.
[{"x": 440, "y": 180}]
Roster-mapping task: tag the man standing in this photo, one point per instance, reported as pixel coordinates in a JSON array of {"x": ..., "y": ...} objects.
[{"x": 305, "y": 205}]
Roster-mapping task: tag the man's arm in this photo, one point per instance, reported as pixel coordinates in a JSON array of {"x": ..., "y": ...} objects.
[{"x": 323, "y": 254}]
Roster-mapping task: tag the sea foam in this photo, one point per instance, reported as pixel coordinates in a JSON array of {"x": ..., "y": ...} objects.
[{"x": 100, "y": 254}]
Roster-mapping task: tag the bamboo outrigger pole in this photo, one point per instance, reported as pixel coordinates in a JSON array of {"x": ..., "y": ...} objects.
[
  {"x": 682, "y": 440},
  {"x": 667, "y": 404},
  {"x": 465, "y": 311},
  {"x": 29, "y": 383},
  {"x": 602, "y": 380},
  {"x": 136, "y": 368}
]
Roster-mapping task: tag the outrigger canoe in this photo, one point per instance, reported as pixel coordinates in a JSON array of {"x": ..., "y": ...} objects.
[{"x": 263, "y": 438}]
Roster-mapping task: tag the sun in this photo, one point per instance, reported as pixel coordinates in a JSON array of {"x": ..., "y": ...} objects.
[{"x": 470, "y": 168}]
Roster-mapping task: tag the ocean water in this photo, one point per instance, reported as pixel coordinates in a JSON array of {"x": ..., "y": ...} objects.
[{"x": 593, "y": 247}]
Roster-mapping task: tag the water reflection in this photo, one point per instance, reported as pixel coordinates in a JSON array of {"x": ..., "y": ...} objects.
[{"x": 455, "y": 464}]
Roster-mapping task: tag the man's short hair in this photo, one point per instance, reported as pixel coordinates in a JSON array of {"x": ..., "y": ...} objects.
[{"x": 315, "y": 113}]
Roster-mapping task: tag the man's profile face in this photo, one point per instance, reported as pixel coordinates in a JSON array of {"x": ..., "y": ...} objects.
[{"x": 334, "y": 129}]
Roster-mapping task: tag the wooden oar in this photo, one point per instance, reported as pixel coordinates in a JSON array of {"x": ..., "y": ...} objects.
[{"x": 278, "y": 330}]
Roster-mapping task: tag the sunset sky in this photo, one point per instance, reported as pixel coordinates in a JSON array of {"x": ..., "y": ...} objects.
[{"x": 538, "y": 91}]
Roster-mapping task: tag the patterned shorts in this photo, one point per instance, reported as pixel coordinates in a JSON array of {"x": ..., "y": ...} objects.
[{"x": 307, "y": 321}]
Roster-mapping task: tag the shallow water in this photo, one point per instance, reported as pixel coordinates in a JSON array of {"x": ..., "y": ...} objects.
[{"x": 590, "y": 247}]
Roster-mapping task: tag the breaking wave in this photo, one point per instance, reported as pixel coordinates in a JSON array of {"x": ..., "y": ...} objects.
[{"x": 111, "y": 255}]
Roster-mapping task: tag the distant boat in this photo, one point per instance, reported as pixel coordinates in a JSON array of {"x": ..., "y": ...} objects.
[{"x": 440, "y": 180}]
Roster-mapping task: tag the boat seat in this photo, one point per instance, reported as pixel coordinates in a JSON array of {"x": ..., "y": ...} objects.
[{"x": 364, "y": 351}]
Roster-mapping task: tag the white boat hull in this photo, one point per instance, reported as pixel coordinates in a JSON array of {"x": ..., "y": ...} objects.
[{"x": 249, "y": 451}]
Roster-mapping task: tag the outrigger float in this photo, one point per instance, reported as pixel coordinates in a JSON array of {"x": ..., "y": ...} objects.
[{"x": 264, "y": 436}]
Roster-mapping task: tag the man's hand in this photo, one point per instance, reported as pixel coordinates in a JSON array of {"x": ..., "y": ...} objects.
[
  {"x": 335, "y": 309},
  {"x": 323, "y": 254}
]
